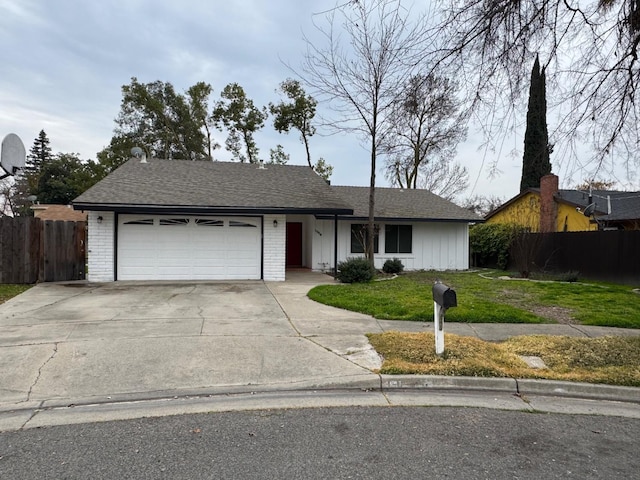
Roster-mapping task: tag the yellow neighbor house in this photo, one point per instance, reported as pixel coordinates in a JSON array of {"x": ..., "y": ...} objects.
[{"x": 548, "y": 209}]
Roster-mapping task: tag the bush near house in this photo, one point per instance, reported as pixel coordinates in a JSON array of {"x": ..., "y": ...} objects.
[
  {"x": 355, "y": 270},
  {"x": 393, "y": 266},
  {"x": 490, "y": 243}
]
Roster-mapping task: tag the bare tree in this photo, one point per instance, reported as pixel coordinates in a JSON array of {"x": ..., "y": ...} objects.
[
  {"x": 591, "y": 48},
  {"x": 359, "y": 76},
  {"x": 481, "y": 204},
  {"x": 445, "y": 178},
  {"x": 425, "y": 131}
]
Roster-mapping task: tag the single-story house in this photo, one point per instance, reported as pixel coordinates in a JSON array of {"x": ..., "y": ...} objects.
[
  {"x": 550, "y": 209},
  {"x": 180, "y": 220},
  {"x": 48, "y": 211}
]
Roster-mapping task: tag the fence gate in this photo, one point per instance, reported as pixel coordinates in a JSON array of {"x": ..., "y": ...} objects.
[{"x": 32, "y": 250}]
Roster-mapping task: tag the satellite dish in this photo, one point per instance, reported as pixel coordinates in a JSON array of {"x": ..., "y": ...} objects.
[
  {"x": 589, "y": 209},
  {"x": 139, "y": 153},
  {"x": 13, "y": 155}
]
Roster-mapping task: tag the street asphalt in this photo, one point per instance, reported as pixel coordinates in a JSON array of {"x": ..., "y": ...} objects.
[{"x": 82, "y": 352}]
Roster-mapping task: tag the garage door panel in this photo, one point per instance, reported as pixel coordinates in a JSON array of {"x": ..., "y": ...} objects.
[{"x": 185, "y": 248}]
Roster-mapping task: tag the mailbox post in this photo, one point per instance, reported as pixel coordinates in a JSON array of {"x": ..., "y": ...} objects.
[{"x": 443, "y": 298}]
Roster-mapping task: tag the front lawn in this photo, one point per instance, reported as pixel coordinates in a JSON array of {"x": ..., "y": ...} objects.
[
  {"x": 8, "y": 291},
  {"x": 610, "y": 360},
  {"x": 484, "y": 298}
]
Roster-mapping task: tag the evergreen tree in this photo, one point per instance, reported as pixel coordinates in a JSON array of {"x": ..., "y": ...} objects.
[
  {"x": 39, "y": 155},
  {"x": 535, "y": 162}
]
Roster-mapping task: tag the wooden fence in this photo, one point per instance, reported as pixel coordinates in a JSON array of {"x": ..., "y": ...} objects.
[
  {"x": 601, "y": 255},
  {"x": 33, "y": 250}
]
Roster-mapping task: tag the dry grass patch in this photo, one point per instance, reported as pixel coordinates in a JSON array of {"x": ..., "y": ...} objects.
[{"x": 610, "y": 360}]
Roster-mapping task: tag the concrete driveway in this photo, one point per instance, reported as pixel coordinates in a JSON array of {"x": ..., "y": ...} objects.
[{"x": 79, "y": 342}]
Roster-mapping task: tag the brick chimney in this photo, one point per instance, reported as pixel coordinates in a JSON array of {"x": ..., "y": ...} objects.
[{"x": 548, "y": 205}]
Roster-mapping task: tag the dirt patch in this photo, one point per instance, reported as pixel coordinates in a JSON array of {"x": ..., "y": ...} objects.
[{"x": 559, "y": 314}]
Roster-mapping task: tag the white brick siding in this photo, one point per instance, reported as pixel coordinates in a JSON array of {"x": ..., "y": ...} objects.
[
  {"x": 100, "y": 244},
  {"x": 274, "y": 248}
]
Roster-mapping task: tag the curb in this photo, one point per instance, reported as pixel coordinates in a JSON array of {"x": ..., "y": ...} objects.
[
  {"x": 372, "y": 383},
  {"x": 516, "y": 386}
]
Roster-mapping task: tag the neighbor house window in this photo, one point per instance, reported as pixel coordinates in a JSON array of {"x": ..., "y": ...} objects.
[
  {"x": 397, "y": 238},
  {"x": 359, "y": 236}
]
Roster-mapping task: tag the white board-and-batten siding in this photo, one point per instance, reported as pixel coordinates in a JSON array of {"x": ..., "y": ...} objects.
[{"x": 435, "y": 245}]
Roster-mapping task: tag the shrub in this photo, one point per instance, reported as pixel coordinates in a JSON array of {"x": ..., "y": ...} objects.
[
  {"x": 355, "y": 270},
  {"x": 393, "y": 266},
  {"x": 490, "y": 242}
]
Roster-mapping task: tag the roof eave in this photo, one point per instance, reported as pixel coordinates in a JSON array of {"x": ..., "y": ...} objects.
[
  {"x": 206, "y": 210},
  {"x": 404, "y": 219}
]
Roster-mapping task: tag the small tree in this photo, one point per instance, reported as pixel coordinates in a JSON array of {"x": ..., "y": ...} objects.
[
  {"x": 278, "y": 156},
  {"x": 359, "y": 76}
]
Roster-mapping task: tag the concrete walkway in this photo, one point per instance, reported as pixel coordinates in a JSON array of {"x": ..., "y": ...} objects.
[{"x": 116, "y": 345}]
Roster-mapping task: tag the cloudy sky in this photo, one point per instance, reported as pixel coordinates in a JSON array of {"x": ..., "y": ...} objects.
[{"x": 63, "y": 63}]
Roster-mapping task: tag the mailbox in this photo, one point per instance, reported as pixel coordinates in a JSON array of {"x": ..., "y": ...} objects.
[{"x": 444, "y": 296}]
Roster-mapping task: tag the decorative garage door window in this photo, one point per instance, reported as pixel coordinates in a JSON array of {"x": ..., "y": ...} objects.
[
  {"x": 144, "y": 221},
  {"x": 174, "y": 221},
  {"x": 234, "y": 223},
  {"x": 207, "y": 222}
]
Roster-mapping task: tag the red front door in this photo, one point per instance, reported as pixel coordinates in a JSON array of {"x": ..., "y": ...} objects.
[{"x": 294, "y": 244}]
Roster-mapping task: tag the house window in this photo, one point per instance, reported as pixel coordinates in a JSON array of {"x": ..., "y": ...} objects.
[
  {"x": 359, "y": 236},
  {"x": 397, "y": 238}
]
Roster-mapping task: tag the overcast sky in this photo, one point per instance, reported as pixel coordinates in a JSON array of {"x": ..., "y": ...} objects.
[{"x": 63, "y": 63}]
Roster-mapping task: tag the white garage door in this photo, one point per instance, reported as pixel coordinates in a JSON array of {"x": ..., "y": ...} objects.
[{"x": 176, "y": 247}]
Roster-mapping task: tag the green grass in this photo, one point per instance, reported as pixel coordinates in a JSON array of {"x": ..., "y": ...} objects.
[
  {"x": 488, "y": 300},
  {"x": 8, "y": 291},
  {"x": 610, "y": 360}
]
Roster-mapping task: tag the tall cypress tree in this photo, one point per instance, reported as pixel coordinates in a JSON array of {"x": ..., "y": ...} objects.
[{"x": 535, "y": 162}]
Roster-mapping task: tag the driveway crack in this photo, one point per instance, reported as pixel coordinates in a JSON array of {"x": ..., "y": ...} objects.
[{"x": 53, "y": 354}]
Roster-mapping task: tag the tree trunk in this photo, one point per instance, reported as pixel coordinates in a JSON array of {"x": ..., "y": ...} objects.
[{"x": 372, "y": 202}]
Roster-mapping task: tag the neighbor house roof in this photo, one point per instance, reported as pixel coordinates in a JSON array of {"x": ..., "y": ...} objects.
[
  {"x": 58, "y": 212},
  {"x": 405, "y": 204},
  {"x": 212, "y": 187},
  {"x": 624, "y": 205}
]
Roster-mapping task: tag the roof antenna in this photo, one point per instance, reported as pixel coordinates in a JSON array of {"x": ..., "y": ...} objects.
[{"x": 138, "y": 152}]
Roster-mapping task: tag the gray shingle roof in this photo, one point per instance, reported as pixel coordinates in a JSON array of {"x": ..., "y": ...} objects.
[
  {"x": 212, "y": 185},
  {"x": 164, "y": 185},
  {"x": 624, "y": 205},
  {"x": 395, "y": 203}
]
